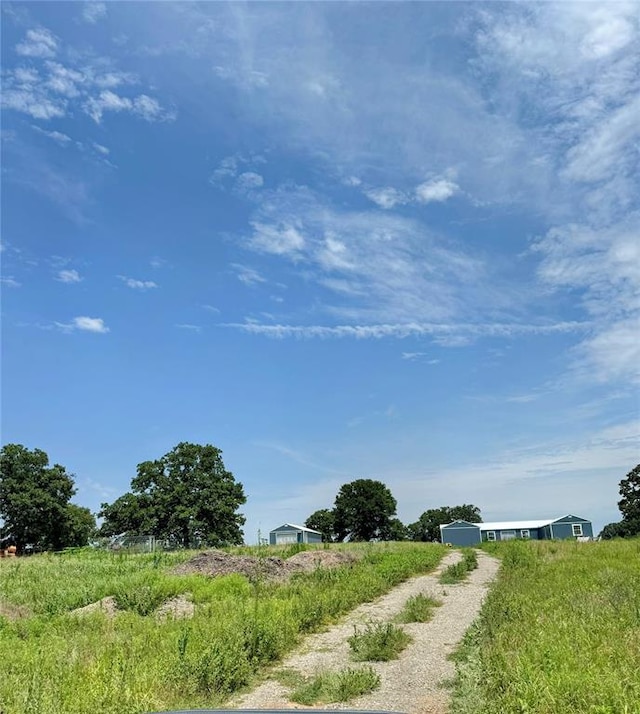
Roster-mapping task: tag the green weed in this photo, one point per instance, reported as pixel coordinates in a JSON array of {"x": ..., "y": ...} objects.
[
  {"x": 378, "y": 642},
  {"x": 418, "y": 608},
  {"x": 459, "y": 571},
  {"x": 329, "y": 687}
]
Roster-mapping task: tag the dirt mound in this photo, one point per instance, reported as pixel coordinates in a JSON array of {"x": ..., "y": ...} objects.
[
  {"x": 217, "y": 562},
  {"x": 13, "y": 612},
  {"x": 178, "y": 608},
  {"x": 106, "y": 605}
]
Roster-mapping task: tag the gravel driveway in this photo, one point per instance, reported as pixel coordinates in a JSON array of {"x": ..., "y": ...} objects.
[{"x": 414, "y": 683}]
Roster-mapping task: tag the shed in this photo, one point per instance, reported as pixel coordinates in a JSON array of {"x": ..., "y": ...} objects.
[
  {"x": 460, "y": 533},
  {"x": 292, "y": 533},
  {"x": 569, "y": 526}
]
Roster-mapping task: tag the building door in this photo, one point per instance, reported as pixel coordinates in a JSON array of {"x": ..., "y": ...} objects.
[{"x": 286, "y": 538}]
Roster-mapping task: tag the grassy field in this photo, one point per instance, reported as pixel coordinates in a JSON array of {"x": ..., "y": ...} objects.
[
  {"x": 559, "y": 632},
  {"x": 56, "y": 663}
]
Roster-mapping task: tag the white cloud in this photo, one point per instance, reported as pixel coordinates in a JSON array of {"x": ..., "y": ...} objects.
[
  {"x": 107, "y": 101},
  {"x": 190, "y": 328},
  {"x": 148, "y": 108},
  {"x": 33, "y": 102},
  {"x": 39, "y": 42},
  {"x": 445, "y": 334},
  {"x": 436, "y": 190},
  {"x": 101, "y": 149},
  {"x": 68, "y": 276},
  {"x": 247, "y": 275},
  {"x": 249, "y": 180},
  {"x": 56, "y": 136},
  {"x": 211, "y": 308},
  {"x": 386, "y": 197},
  {"x": 55, "y": 89},
  {"x": 374, "y": 267},
  {"x": 135, "y": 284},
  {"x": 601, "y": 265},
  {"x": 84, "y": 324},
  {"x": 279, "y": 240},
  {"x": 92, "y": 12},
  {"x": 10, "y": 281}
]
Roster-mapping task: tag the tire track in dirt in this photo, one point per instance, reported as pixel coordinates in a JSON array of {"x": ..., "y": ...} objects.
[{"x": 414, "y": 683}]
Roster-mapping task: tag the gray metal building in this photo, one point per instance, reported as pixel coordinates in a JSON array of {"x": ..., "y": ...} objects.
[
  {"x": 463, "y": 533},
  {"x": 290, "y": 533}
]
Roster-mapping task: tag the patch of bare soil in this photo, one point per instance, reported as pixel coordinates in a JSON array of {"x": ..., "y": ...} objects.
[
  {"x": 106, "y": 605},
  {"x": 13, "y": 612},
  {"x": 217, "y": 562},
  {"x": 177, "y": 608}
]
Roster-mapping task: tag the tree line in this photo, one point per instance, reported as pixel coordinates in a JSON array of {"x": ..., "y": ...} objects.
[
  {"x": 365, "y": 510},
  {"x": 186, "y": 497},
  {"x": 189, "y": 498}
]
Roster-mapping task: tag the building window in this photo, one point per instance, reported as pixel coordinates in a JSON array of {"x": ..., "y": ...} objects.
[
  {"x": 524, "y": 533},
  {"x": 491, "y": 535},
  {"x": 576, "y": 529}
]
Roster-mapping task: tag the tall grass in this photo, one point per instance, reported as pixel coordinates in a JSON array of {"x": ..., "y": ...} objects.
[
  {"x": 58, "y": 663},
  {"x": 559, "y": 631}
]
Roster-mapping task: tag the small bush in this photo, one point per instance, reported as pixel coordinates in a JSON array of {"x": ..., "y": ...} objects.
[
  {"x": 418, "y": 608},
  {"x": 378, "y": 642},
  {"x": 328, "y": 687}
]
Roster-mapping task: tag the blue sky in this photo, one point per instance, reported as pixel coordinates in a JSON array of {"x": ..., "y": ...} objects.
[{"x": 396, "y": 241}]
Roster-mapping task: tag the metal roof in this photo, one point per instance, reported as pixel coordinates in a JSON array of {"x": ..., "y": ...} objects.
[
  {"x": 515, "y": 525},
  {"x": 297, "y": 527}
]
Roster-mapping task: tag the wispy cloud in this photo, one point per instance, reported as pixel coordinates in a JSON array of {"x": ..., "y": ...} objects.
[
  {"x": 38, "y": 42},
  {"x": 372, "y": 267},
  {"x": 247, "y": 275},
  {"x": 10, "y": 281},
  {"x": 93, "y": 12},
  {"x": 49, "y": 88},
  {"x": 69, "y": 276},
  {"x": 57, "y": 136},
  {"x": 84, "y": 324},
  {"x": 211, "y": 308},
  {"x": 189, "y": 327},
  {"x": 436, "y": 190},
  {"x": 136, "y": 284},
  {"x": 466, "y": 332}
]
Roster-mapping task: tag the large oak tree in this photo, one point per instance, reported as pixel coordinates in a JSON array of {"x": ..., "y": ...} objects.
[
  {"x": 363, "y": 510},
  {"x": 35, "y": 502},
  {"x": 186, "y": 496}
]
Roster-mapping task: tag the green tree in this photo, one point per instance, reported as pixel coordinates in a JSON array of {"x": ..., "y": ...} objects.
[
  {"x": 131, "y": 513},
  {"x": 35, "y": 501},
  {"x": 629, "y": 506},
  {"x": 395, "y": 530},
  {"x": 363, "y": 509},
  {"x": 427, "y": 527},
  {"x": 187, "y": 496},
  {"x": 323, "y": 521},
  {"x": 80, "y": 525}
]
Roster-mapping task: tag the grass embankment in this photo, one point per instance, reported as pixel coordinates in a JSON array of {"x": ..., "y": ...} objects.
[
  {"x": 58, "y": 663},
  {"x": 559, "y": 632}
]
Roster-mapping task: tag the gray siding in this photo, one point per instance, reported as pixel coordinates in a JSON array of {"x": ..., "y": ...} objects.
[
  {"x": 461, "y": 534},
  {"x": 563, "y": 528},
  {"x": 300, "y": 535}
]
